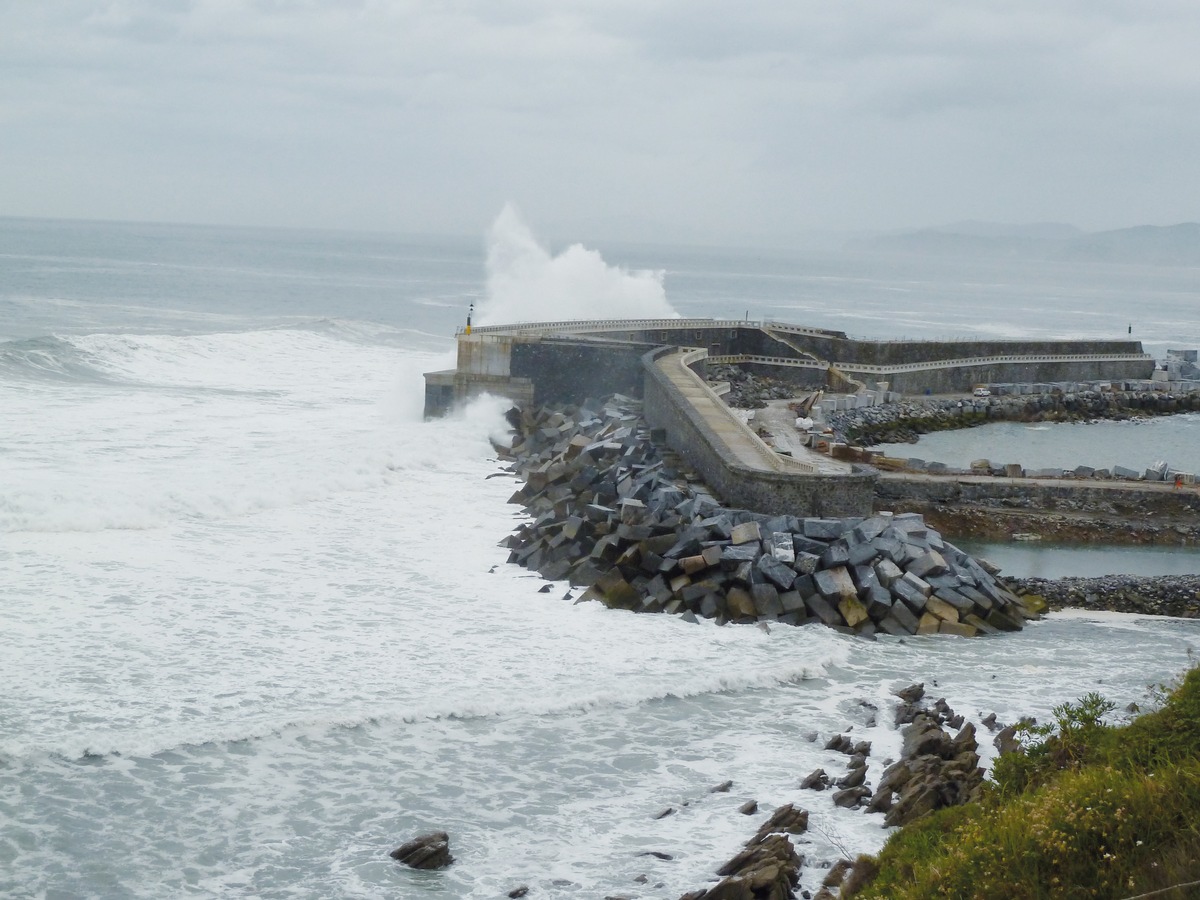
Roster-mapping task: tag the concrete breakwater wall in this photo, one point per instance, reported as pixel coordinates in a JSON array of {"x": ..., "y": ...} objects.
[
  {"x": 688, "y": 432},
  {"x": 608, "y": 513},
  {"x": 565, "y": 361},
  {"x": 1159, "y": 595}
]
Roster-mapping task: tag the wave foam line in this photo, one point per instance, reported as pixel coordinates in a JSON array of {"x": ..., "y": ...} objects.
[{"x": 89, "y": 747}]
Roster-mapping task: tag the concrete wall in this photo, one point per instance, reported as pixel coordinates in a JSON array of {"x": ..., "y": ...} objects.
[
  {"x": 776, "y": 493},
  {"x": 570, "y": 371},
  {"x": 957, "y": 380},
  {"x": 890, "y": 353}
]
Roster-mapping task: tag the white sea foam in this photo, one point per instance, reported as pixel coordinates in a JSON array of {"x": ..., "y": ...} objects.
[
  {"x": 313, "y": 647},
  {"x": 525, "y": 283}
]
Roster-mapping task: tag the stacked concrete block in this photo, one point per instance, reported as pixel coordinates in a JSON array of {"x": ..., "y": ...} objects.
[{"x": 607, "y": 513}]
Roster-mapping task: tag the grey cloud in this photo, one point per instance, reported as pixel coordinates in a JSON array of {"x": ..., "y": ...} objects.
[{"x": 766, "y": 119}]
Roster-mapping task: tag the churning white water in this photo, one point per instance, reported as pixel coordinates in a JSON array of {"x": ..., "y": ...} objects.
[{"x": 256, "y": 630}]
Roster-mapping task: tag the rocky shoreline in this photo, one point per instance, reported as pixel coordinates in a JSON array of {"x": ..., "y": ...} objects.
[{"x": 610, "y": 515}]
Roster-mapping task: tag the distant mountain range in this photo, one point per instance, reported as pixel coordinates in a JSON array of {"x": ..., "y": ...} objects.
[{"x": 1170, "y": 245}]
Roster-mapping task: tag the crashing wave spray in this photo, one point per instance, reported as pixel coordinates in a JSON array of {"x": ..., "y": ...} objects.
[{"x": 526, "y": 284}]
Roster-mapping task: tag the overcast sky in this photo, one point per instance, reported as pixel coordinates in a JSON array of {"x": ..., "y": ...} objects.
[{"x": 639, "y": 119}]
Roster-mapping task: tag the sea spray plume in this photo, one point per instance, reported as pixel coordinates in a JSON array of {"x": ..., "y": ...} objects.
[{"x": 526, "y": 284}]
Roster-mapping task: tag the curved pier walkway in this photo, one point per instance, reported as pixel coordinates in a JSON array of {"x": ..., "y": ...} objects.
[{"x": 739, "y": 439}]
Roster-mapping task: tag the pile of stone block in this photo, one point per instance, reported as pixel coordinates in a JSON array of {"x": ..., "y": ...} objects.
[{"x": 608, "y": 513}]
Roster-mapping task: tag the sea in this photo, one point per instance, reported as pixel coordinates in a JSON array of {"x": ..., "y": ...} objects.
[{"x": 256, "y": 628}]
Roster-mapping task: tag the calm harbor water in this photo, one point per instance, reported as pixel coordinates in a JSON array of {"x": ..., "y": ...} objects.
[
  {"x": 1135, "y": 444},
  {"x": 256, "y": 630},
  {"x": 1046, "y": 559}
]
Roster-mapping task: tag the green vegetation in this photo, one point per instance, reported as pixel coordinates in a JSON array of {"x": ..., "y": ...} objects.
[{"x": 1086, "y": 810}]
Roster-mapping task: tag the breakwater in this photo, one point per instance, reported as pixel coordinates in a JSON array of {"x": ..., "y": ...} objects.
[
  {"x": 610, "y": 513},
  {"x": 1159, "y": 595},
  {"x": 905, "y": 421}
]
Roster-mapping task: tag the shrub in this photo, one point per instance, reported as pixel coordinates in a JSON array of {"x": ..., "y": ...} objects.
[{"x": 1086, "y": 810}]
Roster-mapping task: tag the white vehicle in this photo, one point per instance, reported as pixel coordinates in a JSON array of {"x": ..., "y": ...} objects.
[{"x": 982, "y": 392}]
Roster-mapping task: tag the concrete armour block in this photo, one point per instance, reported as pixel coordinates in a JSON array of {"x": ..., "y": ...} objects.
[
  {"x": 836, "y": 554},
  {"x": 928, "y": 624},
  {"x": 792, "y": 601},
  {"x": 739, "y": 603},
  {"x": 956, "y": 599},
  {"x": 734, "y": 555},
  {"x": 941, "y": 609},
  {"x": 927, "y": 564},
  {"x": 776, "y": 572},
  {"x": 766, "y": 601},
  {"x": 904, "y": 617},
  {"x": 917, "y": 583},
  {"x": 913, "y": 598},
  {"x": 861, "y": 553},
  {"x": 823, "y": 529},
  {"x": 887, "y": 572},
  {"x": 746, "y": 533},
  {"x": 852, "y": 611},
  {"x": 835, "y": 583},
  {"x": 807, "y": 563},
  {"x": 958, "y": 628},
  {"x": 891, "y": 625},
  {"x": 878, "y": 601},
  {"x": 782, "y": 547},
  {"x": 819, "y": 607}
]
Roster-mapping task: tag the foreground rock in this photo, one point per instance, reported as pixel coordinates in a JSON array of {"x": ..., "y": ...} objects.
[
  {"x": 608, "y": 513},
  {"x": 428, "y": 851},
  {"x": 935, "y": 769},
  {"x": 768, "y": 868}
]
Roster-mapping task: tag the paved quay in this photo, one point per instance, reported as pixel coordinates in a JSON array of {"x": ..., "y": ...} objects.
[{"x": 743, "y": 444}]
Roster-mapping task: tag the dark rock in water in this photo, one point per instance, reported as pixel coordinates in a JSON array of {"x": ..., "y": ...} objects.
[
  {"x": 854, "y": 778},
  {"x": 428, "y": 851},
  {"x": 721, "y": 788},
  {"x": 912, "y": 693},
  {"x": 935, "y": 771},
  {"x": 817, "y": 780},
  {"x": 664, "y": 813},
  {"x": 1006, "y": 741},
  {"x": 519, "y": 892},
  {"x": 786, "y": 818},
  {"x": 841, "y": 743},
  {"x": 851, "y": 798},
  {"x": 837, "y": 874},
  {"x": 749, "y": 808},
  {"x": 768, "y": 869}
]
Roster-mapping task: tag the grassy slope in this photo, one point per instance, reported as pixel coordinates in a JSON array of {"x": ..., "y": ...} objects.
[{"x": 1093, "y": 811}]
